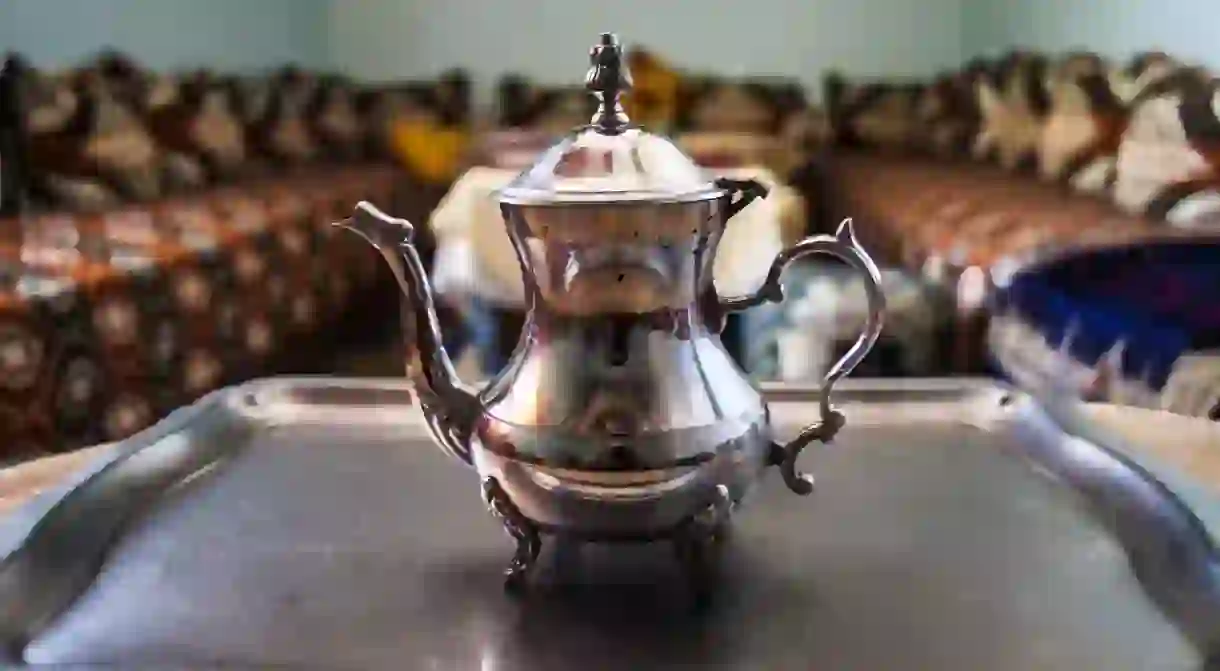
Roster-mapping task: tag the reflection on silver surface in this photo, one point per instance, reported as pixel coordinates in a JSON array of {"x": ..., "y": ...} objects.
[
  {"x": 1171, "y": 552},
  {"x": 927, "y": 506},
  {"x": 619, "y": 368}
]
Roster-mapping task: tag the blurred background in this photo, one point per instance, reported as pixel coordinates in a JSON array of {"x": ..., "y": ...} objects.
[{"x": 1039, "y": 179}]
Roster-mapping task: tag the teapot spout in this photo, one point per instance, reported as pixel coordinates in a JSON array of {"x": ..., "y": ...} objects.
[{"x": 451, "y": 410}]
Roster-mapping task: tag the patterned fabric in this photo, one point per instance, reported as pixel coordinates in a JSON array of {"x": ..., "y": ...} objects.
[
  {"x": 1142, "y": 137},
  {"x": 948, "y": 217},
  {"x": 823, "y": 312},
  {"x": 433, "y": 151},
  {"x": 553, "y": 110},
  {"x": 1168, "y": 166},
  {"x": 109, "y": 321},
  {"x": 876, "y": 115},
  {"x": 1012, "y": 105},
  {"x": 1137, "y": 324},
  {"x": 168, "y": 233},
  {"x": 663, "y": 100},
  {"x": 1010, "y": 160},
  {"x": 653, "y": 100}
]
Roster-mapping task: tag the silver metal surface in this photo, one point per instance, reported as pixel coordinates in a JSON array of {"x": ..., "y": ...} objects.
[
  {"x": 611, "y": 160},
  {"x": 620, "y": 414},
  {"x": 304, "y": 524}
]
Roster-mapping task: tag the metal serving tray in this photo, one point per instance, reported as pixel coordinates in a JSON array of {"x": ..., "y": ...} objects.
[{"x": 305, "y": 523}]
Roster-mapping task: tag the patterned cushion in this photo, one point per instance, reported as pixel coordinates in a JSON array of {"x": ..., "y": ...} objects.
[
  {"x": 730, "y": 107},
  {"x": 1168, "y": 166},
  {"x": 109, "y": 321},
  {"x": 1080, "y": 135},
  {"x": 1136, "y": 322},
  {"x": 959, "y": 214},
  {"x": 1013, "y": 104},
  {"x": 947, "y": 116},
  {"x": 877, "y": 115},
  {"x": 653, "y": 101},
  {"x": 430, "y": 150},
  {"x": 1143, "y": 136}
]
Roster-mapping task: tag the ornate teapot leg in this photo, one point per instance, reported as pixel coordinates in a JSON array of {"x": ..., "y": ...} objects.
[
  {"x": 529, "y": 541},
  {"x": 785, "y": 456},
  {"x": 699, "y": 540}
]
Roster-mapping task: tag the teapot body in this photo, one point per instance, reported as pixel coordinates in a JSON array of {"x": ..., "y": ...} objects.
[{"x": 620, "y": 413}]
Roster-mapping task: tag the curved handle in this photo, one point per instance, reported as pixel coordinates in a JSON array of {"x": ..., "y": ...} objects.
[
  {"x": 741, "y": 193},
  {"x": 843, "y": 246}
]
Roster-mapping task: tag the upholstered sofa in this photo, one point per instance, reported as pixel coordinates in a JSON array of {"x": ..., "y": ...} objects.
[
  {"x": 966, "y": 179},
  {"x": 164, "y": 235}
]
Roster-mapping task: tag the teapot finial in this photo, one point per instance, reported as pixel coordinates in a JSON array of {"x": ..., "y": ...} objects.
[{"x": 608, "y": 79}]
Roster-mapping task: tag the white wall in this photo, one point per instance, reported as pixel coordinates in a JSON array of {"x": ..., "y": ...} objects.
[
  {"x": 549, "y": 39},
  {"x": 1189, "y": 29},
  {"x": 168, "y": 34}
]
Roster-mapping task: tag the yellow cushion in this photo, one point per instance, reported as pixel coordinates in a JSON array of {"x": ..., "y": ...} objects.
[
  {"x": 430, "y": 151},
  {"x": 654, "y": 100}
]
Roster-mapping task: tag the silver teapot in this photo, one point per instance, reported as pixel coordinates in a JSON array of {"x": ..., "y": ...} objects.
[{"x": 620, "y": 416}]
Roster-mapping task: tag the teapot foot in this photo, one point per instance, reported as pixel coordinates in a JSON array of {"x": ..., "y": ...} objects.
[
  {"x": 699, "y": 541},
  {"x": 524, "y": 532}
]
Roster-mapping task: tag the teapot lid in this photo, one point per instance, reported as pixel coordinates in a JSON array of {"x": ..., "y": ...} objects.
[{"x": 611, "y": 160}]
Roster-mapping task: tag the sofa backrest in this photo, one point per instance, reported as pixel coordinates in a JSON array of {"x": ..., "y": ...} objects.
[
  {"x": 111, "y": 132},
  {"x": 1143, "y": 134}
]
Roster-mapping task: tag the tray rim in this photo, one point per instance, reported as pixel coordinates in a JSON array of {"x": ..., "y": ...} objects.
[
  {"x": 21, "y": 481},
  {"x": 789, "y": 402},
  {"x": 1173, "y": 555}
]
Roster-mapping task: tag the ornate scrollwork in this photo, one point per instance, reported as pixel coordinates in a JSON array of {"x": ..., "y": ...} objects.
[
  {"x": 529, "y": 541},
  {"x": 785, "y": 456},
  {"x": 698, "y": 541}
]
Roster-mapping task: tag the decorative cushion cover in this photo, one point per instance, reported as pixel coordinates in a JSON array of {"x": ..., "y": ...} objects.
[
  {"x": 432, "y": 151},
  {"x": 1118, "y": 321},
  {"x": 109, "y": 321},
  {"x": 882, "y": 116},
  {"x": 961, "y": 214},
  {"x": 653, "y": 102},
  {"x": 1141, "y": 143}
]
